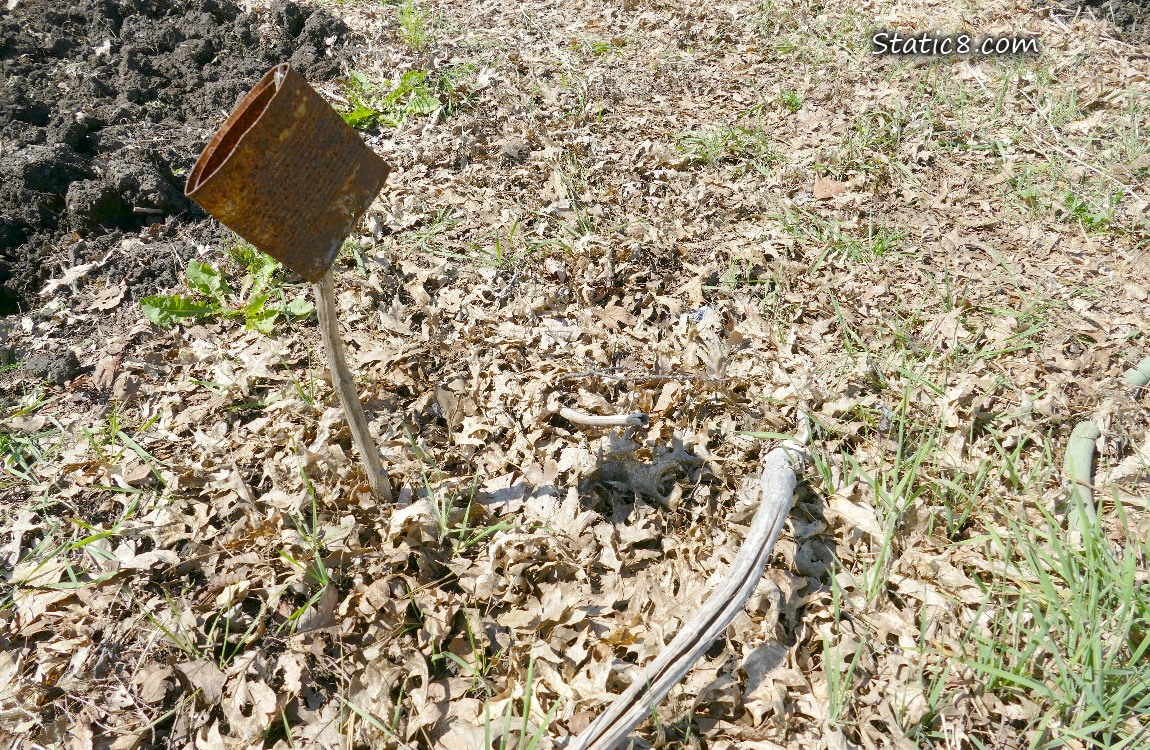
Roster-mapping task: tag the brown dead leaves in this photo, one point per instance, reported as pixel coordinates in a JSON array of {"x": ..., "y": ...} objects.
[{"x": 232, "y": 582}]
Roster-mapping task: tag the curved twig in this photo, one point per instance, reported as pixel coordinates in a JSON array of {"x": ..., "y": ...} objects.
[
  {"x": 612, "y": 420},
  {"x": 1078, "y": 463},
  {"x": 777, "y": 479}
]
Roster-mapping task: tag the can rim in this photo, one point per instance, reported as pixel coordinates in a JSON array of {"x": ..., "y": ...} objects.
[{"x": 239, "y": 123}]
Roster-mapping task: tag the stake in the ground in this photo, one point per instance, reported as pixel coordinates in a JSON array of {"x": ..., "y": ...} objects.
[
  {"x": 286, "y": 173},
  {"x": 342, "y": 381}
]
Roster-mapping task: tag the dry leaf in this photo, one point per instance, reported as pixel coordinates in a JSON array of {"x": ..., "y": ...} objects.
[
  {"x": 153, "y": 682},
  {"x": 110, "y": 296},
  {"x": 825, "y": 187},
  {"x": 205, "y": 676}
]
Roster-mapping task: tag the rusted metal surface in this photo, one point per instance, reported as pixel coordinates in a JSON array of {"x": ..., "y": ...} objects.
[{"x": 287, "y": 174}]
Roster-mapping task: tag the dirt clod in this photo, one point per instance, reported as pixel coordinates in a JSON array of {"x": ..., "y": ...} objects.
[
  {"x": 57, "y": 367},
  {"x": 108, "y": 102},
  {"x": 1132, "y": 16}
]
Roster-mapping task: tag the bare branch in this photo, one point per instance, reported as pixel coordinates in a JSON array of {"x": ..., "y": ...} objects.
[{"x": 777, "y": 480}]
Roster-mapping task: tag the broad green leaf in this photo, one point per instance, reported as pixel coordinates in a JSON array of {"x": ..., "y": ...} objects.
[
  {"x": 258, "y": 315},
  {"x": 262, "y": 320},
  {"x": 262, "y": 274},
  {"x": 168, "y": 309},
  {"x": 361, "y": 117},
  {"x": 255, "y": 304},
  {"x": 411, "y": 79},
  {"x": 207, "y": 280},
  {"x": 422, "y": 103},
  {"x": 299, "y": 308}
]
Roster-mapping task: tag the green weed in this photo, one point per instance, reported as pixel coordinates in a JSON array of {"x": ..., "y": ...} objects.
[
  {"x": 526, "y": 740},
  {"x": 870, "y": 146},
  {"x": 838, "y": 239},
  {"x": 597, "y": 47},
  {"x": 88, "y": 545},
  {"x": 110, "y": 441},
  {"x": 897, "y": 486},
  {"x": 1048, "y": 191},
  {"x": 260, "y": 302},
  {"x": 1088, "y": 212},
  {"x": 23, "y": 456},
  {"x": 431, "y": 237},
  {"x": 417, "y": 93},
  {"x": 355, "y": 251},
  {"x": 414, "y": 25},
  {"x": 791, "y": 100},
  {"x": 314, "y": 571},
  {"x": 840, "y": 672},
  {"x": 742, "y": 146},
  {"x": 482, "y": 664},
  {"x": 500, "y": 248},
  {"x": 390, "y": 730},
  {"x": 456, "y": 522}
]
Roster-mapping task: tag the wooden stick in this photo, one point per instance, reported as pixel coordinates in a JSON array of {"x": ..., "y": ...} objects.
[
  {"x": 636, "y": 703},
  {"x": 595, "y": 420},
  {"x": 344, "y": 385}
]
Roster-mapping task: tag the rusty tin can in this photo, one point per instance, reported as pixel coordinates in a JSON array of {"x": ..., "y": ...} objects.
[{"x": 287, "y": 174}]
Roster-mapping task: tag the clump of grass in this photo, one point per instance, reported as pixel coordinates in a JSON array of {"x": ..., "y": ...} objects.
[
  {"x": 742, "y": 146},
  {"x": 22, "y": 456},
  {"x": 1091, "y": 213},
  {"x": 502, "y": 248},
  {"x": 597, "y": 47},
  {"x": 1048, "y": 191},
  {"x": 460, "y": 524},
  {"x": 431, "y": 237},
  {"x": 519, "y": 728},
  {"x": 792, "y": 101},
  {"x": 859, "y": 244},
  {"x": 870, "y": 146},
  {"x": 1068, "y": 624},
  {"x": 414, "y": 25}
]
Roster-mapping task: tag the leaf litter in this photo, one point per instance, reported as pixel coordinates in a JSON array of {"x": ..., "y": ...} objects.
[{"x": 707, "y": 214}]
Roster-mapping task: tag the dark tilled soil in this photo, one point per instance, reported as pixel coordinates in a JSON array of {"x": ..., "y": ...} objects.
[
  {"x": 1132, "y": 16},
  {"x": 104, "y": 107}
]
